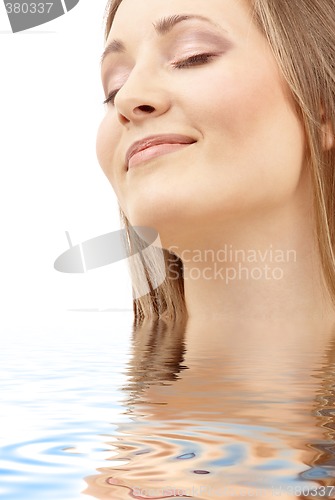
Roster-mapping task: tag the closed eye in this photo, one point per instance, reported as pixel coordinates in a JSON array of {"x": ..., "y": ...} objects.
[
  {"x": 196, "y": 60},
  {"x": 111, "y": 97}
]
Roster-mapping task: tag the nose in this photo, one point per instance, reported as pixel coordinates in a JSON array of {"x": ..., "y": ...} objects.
[{"x": 143, "y": 95}]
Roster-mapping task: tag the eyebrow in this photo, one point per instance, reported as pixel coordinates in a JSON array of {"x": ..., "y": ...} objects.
[{"x": 162, "y": 27}]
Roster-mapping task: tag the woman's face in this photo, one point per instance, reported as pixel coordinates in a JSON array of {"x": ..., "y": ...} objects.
[{"x": 199, "y": 80}]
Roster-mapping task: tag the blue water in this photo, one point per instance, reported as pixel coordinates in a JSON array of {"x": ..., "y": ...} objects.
[
  {"x": 60, "y": 394},
  {"x": 112, "y": 412}
]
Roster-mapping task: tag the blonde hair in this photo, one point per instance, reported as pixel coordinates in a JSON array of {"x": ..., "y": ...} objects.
[{"x": 301, "y": 34}]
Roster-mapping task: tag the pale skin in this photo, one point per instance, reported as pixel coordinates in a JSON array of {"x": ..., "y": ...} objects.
[{"x": 243, "y": 183}]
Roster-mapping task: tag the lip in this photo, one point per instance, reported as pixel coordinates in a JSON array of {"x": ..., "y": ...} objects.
[{"x": 169, "y": 143}]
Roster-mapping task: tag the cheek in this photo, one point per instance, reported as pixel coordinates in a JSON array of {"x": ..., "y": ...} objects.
[
  {"x": 107, "y": 142},
  {"x": 238, "y": 96},
  {"x": 106, "y": 145},
  {"x": 250, "y": 127}
]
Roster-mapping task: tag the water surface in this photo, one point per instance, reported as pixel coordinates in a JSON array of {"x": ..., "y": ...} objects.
[{"x": 189, "y": 410}]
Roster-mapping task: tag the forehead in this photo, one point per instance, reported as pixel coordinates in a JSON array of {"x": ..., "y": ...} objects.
[{"x": 136, "y": 18}]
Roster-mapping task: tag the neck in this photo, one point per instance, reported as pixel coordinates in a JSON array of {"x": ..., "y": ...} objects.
[{"x": 267, "y": 269}]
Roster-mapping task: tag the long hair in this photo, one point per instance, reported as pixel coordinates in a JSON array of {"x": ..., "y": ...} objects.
[{"x": 301, "y": 35}]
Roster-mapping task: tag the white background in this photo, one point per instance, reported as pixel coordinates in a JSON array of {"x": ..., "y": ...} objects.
[{"x": 50, "y": 179}]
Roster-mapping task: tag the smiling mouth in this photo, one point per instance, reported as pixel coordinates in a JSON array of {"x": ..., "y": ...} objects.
[
  {"x": 153, "y": 152},
  {"x": 152, "y": 147}
]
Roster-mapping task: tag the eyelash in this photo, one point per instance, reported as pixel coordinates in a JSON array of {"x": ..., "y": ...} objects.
[
  {"x": 189, "y": 62},
  {"x": 195, "y": 60},
  {"x": 111, "y": 97}
]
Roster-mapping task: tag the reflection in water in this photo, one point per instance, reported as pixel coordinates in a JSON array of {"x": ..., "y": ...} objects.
[
  {"x": 323, "y": 463},
  {"x": 218, "y": 411}
]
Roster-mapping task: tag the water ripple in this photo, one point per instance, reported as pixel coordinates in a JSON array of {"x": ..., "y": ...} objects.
[{"x": 85, "y": 417}]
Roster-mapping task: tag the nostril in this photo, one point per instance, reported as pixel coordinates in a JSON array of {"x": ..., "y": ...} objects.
[{"x": 146, "y": 109}]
